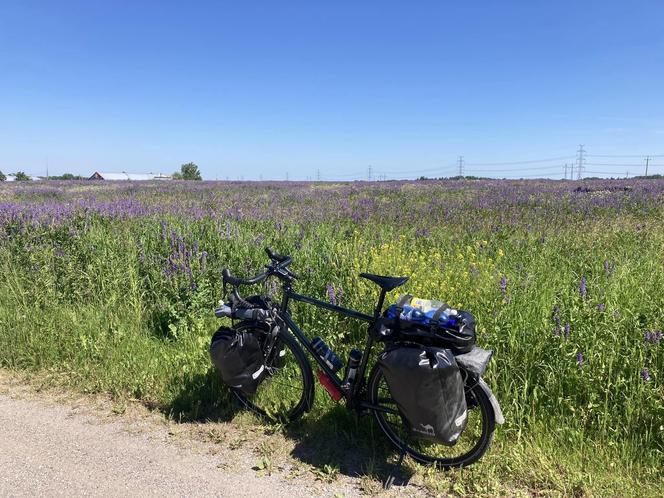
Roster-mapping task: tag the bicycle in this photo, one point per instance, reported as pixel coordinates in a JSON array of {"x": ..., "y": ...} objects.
[{"x": 287, "y": 391}]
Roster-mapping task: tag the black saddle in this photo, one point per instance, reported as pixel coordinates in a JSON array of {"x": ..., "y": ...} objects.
[{"x": 385, "y": 283}]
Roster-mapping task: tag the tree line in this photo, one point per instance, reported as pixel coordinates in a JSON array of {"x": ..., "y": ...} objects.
[{"x": 187, "y": 171}]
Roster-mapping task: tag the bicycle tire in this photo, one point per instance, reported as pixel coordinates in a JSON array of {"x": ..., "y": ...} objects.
[
  {"x": 482, "y": 403},
  {"x": 295, "y": 364}
]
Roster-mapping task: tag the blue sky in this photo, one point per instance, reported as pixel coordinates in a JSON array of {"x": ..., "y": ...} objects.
[{"x": 258, "y": 89}]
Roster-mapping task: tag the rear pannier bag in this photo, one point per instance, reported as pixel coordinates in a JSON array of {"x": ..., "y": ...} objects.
[
  {"x": 426, "y": 385},
  {"x": 238, "y": 356}
]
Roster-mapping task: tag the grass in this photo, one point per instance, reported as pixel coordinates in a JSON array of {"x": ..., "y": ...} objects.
[{"x": 120, "y": 302}]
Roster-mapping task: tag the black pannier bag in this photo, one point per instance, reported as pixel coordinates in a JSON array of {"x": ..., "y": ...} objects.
[
  {"x": 426, "y": 385},
  {"x": 475, "y": 362},
  {"x": 238, "y": 356}
]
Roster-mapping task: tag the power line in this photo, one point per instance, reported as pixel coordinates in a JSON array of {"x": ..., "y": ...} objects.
[
  {"x": 533, "y": 161},
  {"x": 460, "y": 163},
  {"x": 507, "y": 170},
  {"x": 613, "y": 164},
  {"x": 624, "y": 156}
]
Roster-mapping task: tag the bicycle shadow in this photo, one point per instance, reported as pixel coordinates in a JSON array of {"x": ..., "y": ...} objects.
[
  {"x": 337, "y": 440},
  {"x": 202, "y": 397}
]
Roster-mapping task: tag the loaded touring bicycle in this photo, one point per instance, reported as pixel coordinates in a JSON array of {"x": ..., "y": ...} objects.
[{"x": 424, "y": 388}]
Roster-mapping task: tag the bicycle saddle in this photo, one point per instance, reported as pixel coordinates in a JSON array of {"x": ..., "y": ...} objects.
[{"x": 385, "y": 283}]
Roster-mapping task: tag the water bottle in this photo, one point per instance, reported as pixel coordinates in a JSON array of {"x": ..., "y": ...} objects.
[
  {"x": 354, "y": 359},
  {"x": 326, "y": 354}
]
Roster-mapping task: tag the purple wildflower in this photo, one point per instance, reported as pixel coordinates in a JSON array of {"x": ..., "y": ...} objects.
[
  {"x": 645, "y": 374},
  {"x": 331, "y": 294},
  {"x": 607, "y": 267},
  {"x": 579, "y": 359},
  {"x": 582, "y": 287},
  {"x": 653, "y": 337},
  {"x": 566, "y": 332},
  {"x": 601, "y": 307},
  {"x": 554, "y": 315},
  {"x": 503, "y": 285},
  {"x": 340, "y": 293}
]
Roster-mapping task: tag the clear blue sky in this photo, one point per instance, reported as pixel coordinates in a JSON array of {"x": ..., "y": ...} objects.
[{"x": 260, "y": 88}]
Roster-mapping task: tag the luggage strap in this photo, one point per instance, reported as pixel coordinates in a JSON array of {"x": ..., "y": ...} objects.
[
  {"x": 436, "y": 316},
  {"x": 406, "y": 298}
]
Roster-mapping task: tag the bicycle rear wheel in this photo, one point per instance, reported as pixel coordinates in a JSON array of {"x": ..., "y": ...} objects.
[
  {"x": 472, "y": 444},
  {"x": 287, "y": 391}
]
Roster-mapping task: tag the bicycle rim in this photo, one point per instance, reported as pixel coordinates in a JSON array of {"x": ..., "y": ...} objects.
[
  {"x": 472, "y": 444},
  {"x": 286, "y": 391}
]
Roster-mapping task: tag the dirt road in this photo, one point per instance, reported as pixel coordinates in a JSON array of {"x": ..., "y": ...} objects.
[{"x": 48, "y": 449}]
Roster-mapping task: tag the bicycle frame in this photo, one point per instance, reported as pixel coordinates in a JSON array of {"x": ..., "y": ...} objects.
[{"x": 351, "y": 396}]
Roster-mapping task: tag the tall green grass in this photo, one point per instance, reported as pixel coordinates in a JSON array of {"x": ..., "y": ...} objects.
[{"x": 96, "y": 298}]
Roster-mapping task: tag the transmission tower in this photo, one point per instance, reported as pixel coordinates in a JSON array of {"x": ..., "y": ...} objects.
[
  {"x": 460, "y": 163},
  {"x": 580, "y": 160},
  {"x": 370, "y": 172},
  {"x": 318, "y": 175},
  {"x": 647, "y": 163}
]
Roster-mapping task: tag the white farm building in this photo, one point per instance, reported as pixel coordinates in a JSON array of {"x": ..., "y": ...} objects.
[{"x": 129, "y": 176}]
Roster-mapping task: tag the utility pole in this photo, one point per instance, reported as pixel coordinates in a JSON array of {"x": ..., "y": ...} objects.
[
  {"x": 580, "y": 159},
  {"x": 647, "y": 162},
  {"x": 460, "y": 163},
  {"x": 47, "y": 168},
  {"x": 318, "y": 175},
  {"x": 370, "y": 172},
  {"x": 627, "y": 174},
  {"x": 286, "y": 175},
  {"x": 565, "y": 171}
]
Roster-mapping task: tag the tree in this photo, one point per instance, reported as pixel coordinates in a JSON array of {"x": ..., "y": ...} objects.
[
  {"x": 67, "y": 176},
  {"x": 2, "y": 177},
  {"x": 20, "y": 176},
  {"x": 188, "y": 171}
]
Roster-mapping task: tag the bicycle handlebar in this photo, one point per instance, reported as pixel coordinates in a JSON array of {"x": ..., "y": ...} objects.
[
  {"x": 279, "y": 268},
  {"x": 235, "y": 281}
]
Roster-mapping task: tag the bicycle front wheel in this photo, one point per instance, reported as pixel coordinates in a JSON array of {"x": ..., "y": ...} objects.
[
  {"x": 471, "y": 445},
  {"x": 287, "y": 391}
]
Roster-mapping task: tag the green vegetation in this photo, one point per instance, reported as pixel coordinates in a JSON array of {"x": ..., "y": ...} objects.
[
  {"x": 188, "y": 171},
  {"x": 20, "y": 176},
  {"x": 66, "y": 176},
  {"x": 114, "y": 286},
  {"x": 2, "y": 177}
]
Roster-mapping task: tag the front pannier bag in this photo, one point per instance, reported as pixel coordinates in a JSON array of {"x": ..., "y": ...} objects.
[
  {"x": 426, "y": 385},
  {"x": 239, "y": 358}
]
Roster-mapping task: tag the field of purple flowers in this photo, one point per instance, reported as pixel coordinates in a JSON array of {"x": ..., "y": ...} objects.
[{"x": 113, "y": 284}]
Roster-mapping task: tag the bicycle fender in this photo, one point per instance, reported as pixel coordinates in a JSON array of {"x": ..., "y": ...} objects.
[{"x": 497, "y": 412}]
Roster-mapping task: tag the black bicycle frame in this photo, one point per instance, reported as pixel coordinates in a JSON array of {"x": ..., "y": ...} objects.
[{"x": 304, "y": 340}]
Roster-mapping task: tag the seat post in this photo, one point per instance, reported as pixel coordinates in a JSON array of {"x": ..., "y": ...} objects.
[{"x": 379, "y": 306}]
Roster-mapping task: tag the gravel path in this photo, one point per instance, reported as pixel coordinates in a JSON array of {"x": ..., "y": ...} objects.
[{"x": 48, "y": 449}]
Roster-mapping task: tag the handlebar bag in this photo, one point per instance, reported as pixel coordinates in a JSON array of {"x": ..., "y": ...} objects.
[
  {"x": 238, "y": 356},
  {"x": 426, "y": 385}
]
